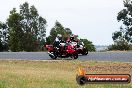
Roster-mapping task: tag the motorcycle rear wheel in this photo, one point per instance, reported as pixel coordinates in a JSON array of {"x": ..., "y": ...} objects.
[
  {"x": 85, "y": 52},
  {"x": 75, "y": 55}
]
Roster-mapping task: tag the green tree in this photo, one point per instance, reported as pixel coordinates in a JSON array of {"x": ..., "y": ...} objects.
[
  {"x": 125, "y": 16},
  {"x": 68, "y": 30},
  {"x": 3, "y": 36},
  {"x": 15, "y": 31},
  {"x": 48, "y": 40},
  {"x": 34, "y": 27},
  {"x": 88, "y": 44},
  {"x": 58, "y": 29},
  {"x": 120, "y": 43},
  {"x": 1, "y": 46},
  {"x": 123, "y": 38},
  {"x": 27, "y": 30}
]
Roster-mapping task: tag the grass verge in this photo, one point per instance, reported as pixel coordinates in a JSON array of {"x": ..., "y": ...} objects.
[{"x": 57, "y": 74}]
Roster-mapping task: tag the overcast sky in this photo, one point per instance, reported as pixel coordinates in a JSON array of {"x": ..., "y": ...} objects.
[{"x": 91, "y": 19}]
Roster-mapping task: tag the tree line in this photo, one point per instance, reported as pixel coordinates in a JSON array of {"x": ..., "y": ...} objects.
[
  {"x": 25, "y": 30},
  {"x": 123, "y": 38}
]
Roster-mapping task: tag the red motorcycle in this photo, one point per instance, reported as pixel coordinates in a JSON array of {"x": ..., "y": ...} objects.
[
  {"x": 66, "y": 50},
  {"x": 81, "y": 49}
]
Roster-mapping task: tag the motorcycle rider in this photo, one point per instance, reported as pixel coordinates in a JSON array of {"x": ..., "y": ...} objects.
[
  {"x": 71, "y": 39},
  {"x": 57, "y": 41},
  {"x": 74, "y": 38}
]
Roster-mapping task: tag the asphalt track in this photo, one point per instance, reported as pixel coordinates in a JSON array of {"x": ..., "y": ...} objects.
[{"x": 96, "y": 56}]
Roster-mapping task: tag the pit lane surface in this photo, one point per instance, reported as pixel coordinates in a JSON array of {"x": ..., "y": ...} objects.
[{"x": 97, "y": 56}]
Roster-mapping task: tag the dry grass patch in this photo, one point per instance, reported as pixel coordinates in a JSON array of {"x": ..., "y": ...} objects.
[{"x": 56, "y": 74}]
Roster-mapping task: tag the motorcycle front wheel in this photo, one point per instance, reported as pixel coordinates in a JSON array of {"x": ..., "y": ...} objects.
[{"x": 53, "y": 55}]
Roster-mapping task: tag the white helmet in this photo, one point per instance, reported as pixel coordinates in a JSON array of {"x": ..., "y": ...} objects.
[{"x": 59, "y": 36}]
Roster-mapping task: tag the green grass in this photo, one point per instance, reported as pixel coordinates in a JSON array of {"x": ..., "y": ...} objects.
[
  {"x": 56, "y": 74},
  {"x": 2, "y": 84}
]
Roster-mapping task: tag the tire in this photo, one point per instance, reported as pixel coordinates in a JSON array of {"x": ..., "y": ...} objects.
[
  {"x": 81, "y": 80},
  {"x": 54, "y": 56},
  {"x": 75, "y": 55},
  {"x": 85, "y": 52}
]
